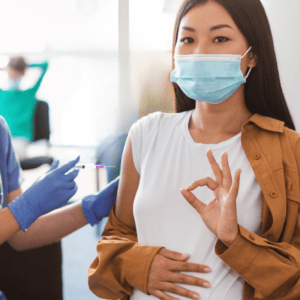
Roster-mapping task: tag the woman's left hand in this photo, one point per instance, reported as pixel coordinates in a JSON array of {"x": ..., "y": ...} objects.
[{"x": 220, "y": 215}]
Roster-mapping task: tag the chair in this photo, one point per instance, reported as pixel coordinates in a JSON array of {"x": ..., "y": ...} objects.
[
  {"x": 41, "y": 130},
  {"x": 37, "y": 273}
]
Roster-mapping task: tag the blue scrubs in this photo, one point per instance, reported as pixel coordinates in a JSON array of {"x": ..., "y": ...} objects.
[{"x": 11, "y": 173}]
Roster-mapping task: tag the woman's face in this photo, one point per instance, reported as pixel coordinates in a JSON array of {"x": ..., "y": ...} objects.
[{"x": 209, "y": 29}]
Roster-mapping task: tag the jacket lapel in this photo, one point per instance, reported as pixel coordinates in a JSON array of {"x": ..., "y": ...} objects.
[{"x": 261, "y": 143}]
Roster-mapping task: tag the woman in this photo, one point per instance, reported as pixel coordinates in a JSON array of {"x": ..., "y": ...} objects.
[
  {"x": 32, "y": 211},
  {"x": 245, "y": 227},
  {"x": 22, "y": 103}
]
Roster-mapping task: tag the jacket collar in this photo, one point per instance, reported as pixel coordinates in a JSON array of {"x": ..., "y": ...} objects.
[{"x": 266, "y": 123}]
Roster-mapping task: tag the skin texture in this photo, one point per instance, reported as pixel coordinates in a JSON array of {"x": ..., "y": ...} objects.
[
  {"x": 209, "y": 124},
  {"x": 13, "y": 74},
  {"x": 220, "y": 215},
  {"x": 46, "y": 230}
]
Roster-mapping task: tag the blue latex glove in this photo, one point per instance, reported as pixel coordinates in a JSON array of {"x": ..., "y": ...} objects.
[
  {"x": 2, "y": 296},
  {"x": 50, "y": 192},
  {"x": 96, "y": 207}
]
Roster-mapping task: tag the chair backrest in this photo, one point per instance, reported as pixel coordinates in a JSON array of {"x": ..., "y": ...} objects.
[{"x": 41, "y": 121}]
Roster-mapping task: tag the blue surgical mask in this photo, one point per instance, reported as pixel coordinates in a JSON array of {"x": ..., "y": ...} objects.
[
  {"x": 14, "y": 84},
  {"x": 210, "y": 78}
]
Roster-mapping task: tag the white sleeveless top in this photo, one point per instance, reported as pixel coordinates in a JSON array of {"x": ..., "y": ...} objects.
[{"x": 167, "y": 159}]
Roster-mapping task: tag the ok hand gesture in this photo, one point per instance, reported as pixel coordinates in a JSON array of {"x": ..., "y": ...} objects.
[{"x": 220, "y": 215}]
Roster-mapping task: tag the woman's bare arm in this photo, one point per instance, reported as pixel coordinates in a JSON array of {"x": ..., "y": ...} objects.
[{"x": 128, "y": 185}]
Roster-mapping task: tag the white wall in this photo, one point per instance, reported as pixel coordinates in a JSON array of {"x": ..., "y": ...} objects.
[{"x": 285, "y": 25}]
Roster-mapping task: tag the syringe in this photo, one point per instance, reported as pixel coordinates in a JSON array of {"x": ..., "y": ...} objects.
[{"x": 89, "y": 166}]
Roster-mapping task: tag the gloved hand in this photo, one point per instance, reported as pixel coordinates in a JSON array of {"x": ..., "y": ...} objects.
[
  {"x": 2, "y": 296},
  {"x": 96, "y": 207},
  {"x": 50, "y": 192}
]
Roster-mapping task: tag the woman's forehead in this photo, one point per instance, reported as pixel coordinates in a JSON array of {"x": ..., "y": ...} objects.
[{"x": 204, "y": 16}]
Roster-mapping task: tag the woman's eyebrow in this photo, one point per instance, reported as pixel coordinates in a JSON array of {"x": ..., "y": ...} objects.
[
  {"x": 220, "y": 26},
  {"x": 211, "y": 29},
  {"x": 189, "y": 28}
]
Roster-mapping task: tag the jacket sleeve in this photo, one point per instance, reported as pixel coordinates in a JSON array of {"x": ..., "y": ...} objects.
[
  {"x": 121, "y": 262},
  {"x": 271, "y": 268}
]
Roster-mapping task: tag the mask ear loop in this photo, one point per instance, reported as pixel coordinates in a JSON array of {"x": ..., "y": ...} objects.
[
  {"x": 250, "y": 68},
  {"x": 247, "y": 52},
  {"x": 248, "y": 73}
]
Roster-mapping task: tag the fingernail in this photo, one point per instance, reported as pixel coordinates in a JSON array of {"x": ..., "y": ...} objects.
[
  {"x": 185, "y": 255},
  {"x": 205, "y": 284},
  {"x": 207, "y": 270},
  {"x": 196, "y": 296}
]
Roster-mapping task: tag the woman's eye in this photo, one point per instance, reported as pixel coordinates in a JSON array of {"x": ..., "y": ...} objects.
[
  {"x": 187, "y": 40},
  {"x": 221, "y": 39}
]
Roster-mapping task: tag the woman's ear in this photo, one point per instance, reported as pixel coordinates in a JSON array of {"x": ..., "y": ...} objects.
[{"x": 253, "y": 61}]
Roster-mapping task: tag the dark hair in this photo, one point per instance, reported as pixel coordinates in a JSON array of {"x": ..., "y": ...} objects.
[
  {"x": 18, "y": 64},
  {"x": 263, "y": 91}
]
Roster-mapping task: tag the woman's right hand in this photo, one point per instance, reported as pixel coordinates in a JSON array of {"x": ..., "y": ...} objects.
[{"x": 164, "y": 274}]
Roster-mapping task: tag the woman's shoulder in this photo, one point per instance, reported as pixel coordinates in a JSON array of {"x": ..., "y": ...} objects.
[
  {"x": 293, "y": 138},
  {"x": 158, "y": 117}
]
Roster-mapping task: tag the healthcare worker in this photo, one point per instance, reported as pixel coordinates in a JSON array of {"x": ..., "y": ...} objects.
[{"x": 29, "y": 211}]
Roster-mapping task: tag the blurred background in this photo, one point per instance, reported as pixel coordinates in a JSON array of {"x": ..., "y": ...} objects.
[{"x": 108, "y": 65}]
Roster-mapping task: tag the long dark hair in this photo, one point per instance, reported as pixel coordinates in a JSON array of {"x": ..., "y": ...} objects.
[{"x": 263, "y": 91}]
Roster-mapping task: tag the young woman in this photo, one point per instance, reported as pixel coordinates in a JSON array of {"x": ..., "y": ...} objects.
[{"x": 240, "y": 230}]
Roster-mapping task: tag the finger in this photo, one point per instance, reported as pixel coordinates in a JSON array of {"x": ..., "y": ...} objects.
[
  {"x": 68, "y": 166},
  {"x": 193, "y": 200},
  {"x": 72, "y": 175},
  {"x": 173, "y": 255},
  {"x": 70, "y": 185},
  {"x": 187, "y": 279},
  {"x": 71, "y": 193},
  {"x": 227, "y": 179},
  {"x": 188, "y": 267},
  {"x": 215, "y": 167},
  {"x": 178, "y": 290},
  {"x": 163, "y": 296},
  {"x": 53, "y": 166},
  {"x": 209, "y": 182},
  {"x": 234, "y": 190}
]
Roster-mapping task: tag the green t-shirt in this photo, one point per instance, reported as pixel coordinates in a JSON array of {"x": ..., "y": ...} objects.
[{"x": 17, "y": 106}]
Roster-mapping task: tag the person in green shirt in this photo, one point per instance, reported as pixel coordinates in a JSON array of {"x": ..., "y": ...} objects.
[{"x": 17, "y": 106}]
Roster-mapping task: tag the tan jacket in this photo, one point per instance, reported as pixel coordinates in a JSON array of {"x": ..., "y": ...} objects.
[{"x": 270, "y": 263}]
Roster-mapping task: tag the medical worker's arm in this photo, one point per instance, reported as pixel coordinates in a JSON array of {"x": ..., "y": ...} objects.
[
  {"x": 8, "y": 225},
  {"x": 50, "y": 228},
  {"x": 56, "y": 188},
  {"x": 61, "y": 222}
]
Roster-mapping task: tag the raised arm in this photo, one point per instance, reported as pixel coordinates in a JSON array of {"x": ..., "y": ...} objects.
[{"x": 44, "y": 67}]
